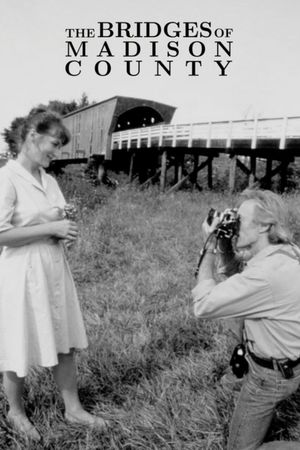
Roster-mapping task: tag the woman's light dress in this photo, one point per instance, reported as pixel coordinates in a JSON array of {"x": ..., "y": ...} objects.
[{"x": 39, "y": 310}]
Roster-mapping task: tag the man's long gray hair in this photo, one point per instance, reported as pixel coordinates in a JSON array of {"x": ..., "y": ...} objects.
[{"x": 270, "y": 210}]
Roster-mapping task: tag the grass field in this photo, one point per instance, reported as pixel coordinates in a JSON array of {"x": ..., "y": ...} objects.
[{"x": 151, "y": 368}]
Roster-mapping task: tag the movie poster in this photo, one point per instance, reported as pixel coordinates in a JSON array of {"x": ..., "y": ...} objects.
[{"x": 151, "y": 369}]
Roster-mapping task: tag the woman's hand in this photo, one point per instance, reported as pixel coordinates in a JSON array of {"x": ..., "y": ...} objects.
[{"x": 65, "y": 229}]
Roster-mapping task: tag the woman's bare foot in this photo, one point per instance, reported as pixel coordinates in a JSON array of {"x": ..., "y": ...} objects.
[
  {"x": 22, "y": 425},
  {"x": 82, "y": 417}
]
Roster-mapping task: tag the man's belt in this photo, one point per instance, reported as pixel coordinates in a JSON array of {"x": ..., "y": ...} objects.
[{"x": 274, "y": 363}]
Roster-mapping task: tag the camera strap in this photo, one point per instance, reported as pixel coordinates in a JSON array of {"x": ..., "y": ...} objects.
[{"x": 204, "y": 250}]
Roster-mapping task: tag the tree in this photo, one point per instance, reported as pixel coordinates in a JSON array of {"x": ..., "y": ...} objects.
[
  {"x": 62, "y": 108},
  {"x": 12, "y": 134},
  {"x": 84, "y": 101}
]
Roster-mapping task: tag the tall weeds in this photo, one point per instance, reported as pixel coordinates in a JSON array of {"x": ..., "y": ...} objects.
[{"x": 151, "y": 368}]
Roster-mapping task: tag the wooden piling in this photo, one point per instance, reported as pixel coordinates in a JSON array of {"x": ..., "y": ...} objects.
[
  {"x": 252, "y": 175},
  {"x": 209, "y": 173},
  {"x": 201, "y": 166},
  {"x": 232, "y": 173},
  {"x": 268, "y": 175},
  {"x": 163, "y": 170},
  {"x": 195, "y": 171},
  {"x": 180, "y": 166},
  {"x": 176, "y": 165},
  {"x": 131, "y": 166},
  {"x": 283, "y": 175}
]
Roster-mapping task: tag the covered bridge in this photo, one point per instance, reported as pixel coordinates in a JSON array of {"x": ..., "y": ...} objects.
[{"x": 91, "y": 127}]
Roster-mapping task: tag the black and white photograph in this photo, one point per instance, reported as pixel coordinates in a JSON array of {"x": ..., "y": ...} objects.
[{"x": 149, "y": 225}]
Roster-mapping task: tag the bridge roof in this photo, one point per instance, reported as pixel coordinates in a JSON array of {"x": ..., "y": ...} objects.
[{"x": 127, "y": 102}]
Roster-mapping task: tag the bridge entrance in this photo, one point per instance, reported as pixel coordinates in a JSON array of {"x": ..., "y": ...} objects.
[{"x": 141, "y": 116}]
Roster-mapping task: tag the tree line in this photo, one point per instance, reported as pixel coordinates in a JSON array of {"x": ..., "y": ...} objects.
[{"x": 11, "y": 134}]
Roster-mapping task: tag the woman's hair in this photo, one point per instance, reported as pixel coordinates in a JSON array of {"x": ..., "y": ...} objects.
[
  {"x": 270, "y": 210},
  {"x": 44, "y": 121}
]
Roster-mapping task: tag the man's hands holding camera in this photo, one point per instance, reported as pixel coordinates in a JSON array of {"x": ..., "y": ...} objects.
[
  {"x": 221, "y": 229},
  {"x": 210, "y": 224},
  {"x": 220, "y": 232}
]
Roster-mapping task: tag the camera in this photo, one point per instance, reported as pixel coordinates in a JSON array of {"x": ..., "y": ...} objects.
[
  {"x": 229, "y": 224},
  {"x": 227, "y": 228}
]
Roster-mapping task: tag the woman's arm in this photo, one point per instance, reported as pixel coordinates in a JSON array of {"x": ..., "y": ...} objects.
[{"x": 18, "y": 236}]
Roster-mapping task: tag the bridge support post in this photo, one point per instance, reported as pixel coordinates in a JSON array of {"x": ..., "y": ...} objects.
[
  {"x": 283, "y": 173},
  {"x": 209, "y": 173},
  {"x": 268, "y": 175},
  {"x": 163, "y": 170},
  {"x": 195, "y": 171},
  {"x": 176, "y": 166},
  {"x": 232, "y": 173},
  {"x": 131, "y": 166},
  {"x": 252, "y": 171},
  {"x": 180, "y": 166}
]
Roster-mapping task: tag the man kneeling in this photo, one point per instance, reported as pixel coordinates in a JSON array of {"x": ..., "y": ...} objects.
[{"x": 266, "y": 294}]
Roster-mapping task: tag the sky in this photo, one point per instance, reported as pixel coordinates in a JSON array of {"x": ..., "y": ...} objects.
[{"x": 261, "y": 80}]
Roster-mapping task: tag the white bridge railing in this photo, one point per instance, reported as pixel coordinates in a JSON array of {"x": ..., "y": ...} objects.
[{"x": 279, "y": 129}]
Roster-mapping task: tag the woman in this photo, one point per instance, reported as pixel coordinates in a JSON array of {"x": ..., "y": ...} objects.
[{"x": 40, "y": 319}]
